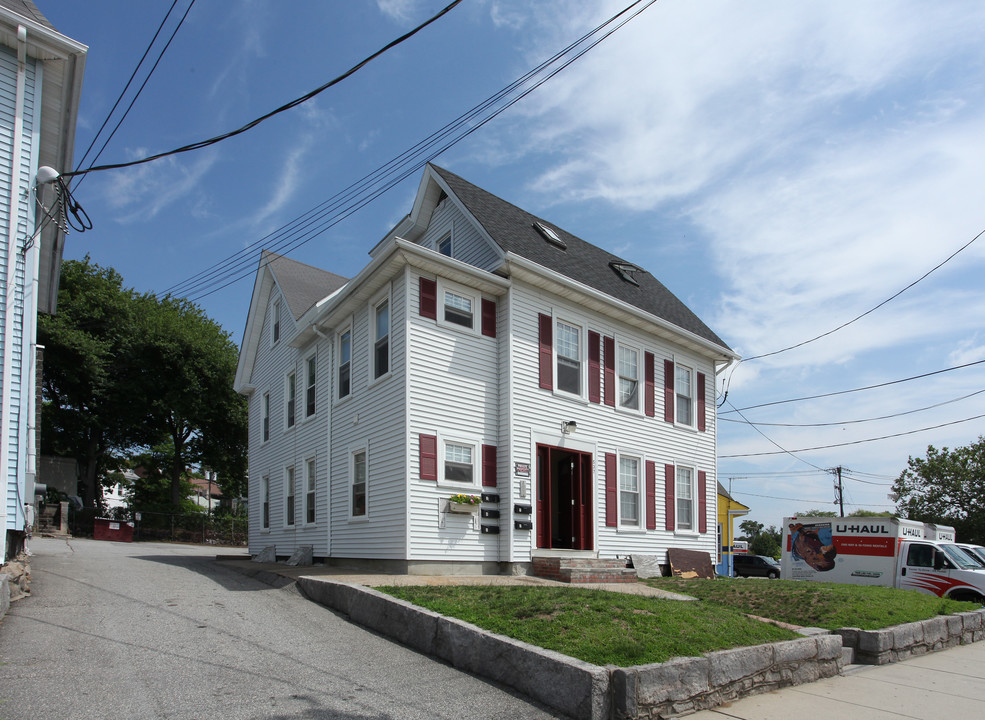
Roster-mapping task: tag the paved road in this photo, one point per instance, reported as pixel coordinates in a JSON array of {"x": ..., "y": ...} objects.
[{"x": 150, "y": 630}]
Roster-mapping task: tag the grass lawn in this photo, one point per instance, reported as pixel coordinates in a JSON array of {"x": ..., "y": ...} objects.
[
  {"x": 596, "y": 626},
  {"x": 606, "y": 628},
  {"x": 810, "y": 604}
]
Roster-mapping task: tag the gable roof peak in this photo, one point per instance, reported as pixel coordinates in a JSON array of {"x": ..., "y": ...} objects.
[{"x": 302, "y": 285}]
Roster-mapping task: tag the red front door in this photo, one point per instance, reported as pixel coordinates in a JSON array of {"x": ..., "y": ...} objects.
[{"x": 564, "y": 498}]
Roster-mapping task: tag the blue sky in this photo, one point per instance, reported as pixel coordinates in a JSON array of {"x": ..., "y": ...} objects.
[{"x": 782, "y": 167}]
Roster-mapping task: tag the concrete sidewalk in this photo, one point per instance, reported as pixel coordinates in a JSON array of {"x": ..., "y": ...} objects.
[{"x": 948, "y": 684}]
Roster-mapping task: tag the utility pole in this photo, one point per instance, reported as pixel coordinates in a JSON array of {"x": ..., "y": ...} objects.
[{"x": 839, "y": 496}]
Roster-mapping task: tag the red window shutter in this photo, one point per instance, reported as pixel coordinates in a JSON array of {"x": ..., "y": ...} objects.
[
  {"x": 651, "y": 495},
  {"x": 594, "y": 367},
  {"x": 488, "y": 466},
  {"x": 429, "y": 298},
  {"x": 429, "y": 457},
  {"x": 650, "y": 377},
  {"x": 488, "y": 318},
  {"x": 610, "y": 371},
  {"x": 701, "y": 403},
  {"x": 702, "y": 501},
  {"x": 546, "y": 352},
  {"x": 669, "y": 391},
  {"x": 611, "y": 496},
  {"x": 670, "y": 477}
]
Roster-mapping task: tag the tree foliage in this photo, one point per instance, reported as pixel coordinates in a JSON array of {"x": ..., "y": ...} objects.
[
  {"x": 762, "y": 540},
  {"x": 861, "y": 512},
  {"x": 128, "y": 373},
  {"x": 946, "y": 487}
]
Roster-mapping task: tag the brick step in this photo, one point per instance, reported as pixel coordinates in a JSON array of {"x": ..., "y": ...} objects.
[{"x": 582, "y": 570}]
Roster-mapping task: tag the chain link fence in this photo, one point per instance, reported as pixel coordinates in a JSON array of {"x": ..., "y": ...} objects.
[{"x": 172, "y": 527}]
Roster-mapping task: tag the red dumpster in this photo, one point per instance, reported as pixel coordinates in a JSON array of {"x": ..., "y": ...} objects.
[{"x": 115, "y": 530}]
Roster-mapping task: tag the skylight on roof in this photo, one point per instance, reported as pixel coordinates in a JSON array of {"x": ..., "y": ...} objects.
[
  {"x": 625, "y": 271},
  {"x": 551, "y": 235}
]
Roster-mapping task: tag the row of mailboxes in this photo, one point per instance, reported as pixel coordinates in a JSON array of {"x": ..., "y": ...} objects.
[{"x": 524, "y": 511}]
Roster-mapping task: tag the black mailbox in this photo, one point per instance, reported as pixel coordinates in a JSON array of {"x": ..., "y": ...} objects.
[
  {"x": 522, "y": 509},
  {"x": 523, "y": 525},
  {"x": 489, "y": 513},
  {"x": 490, "y": 529},
  {"x": 490, "y": 497}
]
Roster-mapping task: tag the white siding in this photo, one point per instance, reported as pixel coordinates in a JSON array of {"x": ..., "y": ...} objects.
[
  {"x": 288, "y": 446},
  {"x": 540, "y": 412},
  {"x": 373, "y": 417},
  {"x": 468, "y": 244},
  {"x": 15, "y": 347},
  {"x": 454, "y": 394}
]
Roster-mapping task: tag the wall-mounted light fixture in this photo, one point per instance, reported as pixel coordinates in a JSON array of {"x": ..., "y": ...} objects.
[{"x": 568, "y": 427}]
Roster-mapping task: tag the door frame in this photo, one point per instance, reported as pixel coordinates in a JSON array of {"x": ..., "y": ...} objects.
[{"x": 581, "y": 493}]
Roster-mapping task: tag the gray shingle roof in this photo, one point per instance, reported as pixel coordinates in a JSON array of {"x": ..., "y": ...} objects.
[
  {"x": 303, "y": 285},
  {"x": 27, "y": 9},
  {"x": 514, "y": 230}
]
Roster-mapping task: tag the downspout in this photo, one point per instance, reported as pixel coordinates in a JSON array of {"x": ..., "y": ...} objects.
[
  {"x": 328, "y": 438},
  {"x": 10, "y": 291}
]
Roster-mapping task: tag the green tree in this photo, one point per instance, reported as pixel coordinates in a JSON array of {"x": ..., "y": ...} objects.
[
  {"x": 89, "y": 388},
  {"x": 128, "y": 373},
  {"x": 750, "y": 529},
  {"x": 946, "y": 487}
]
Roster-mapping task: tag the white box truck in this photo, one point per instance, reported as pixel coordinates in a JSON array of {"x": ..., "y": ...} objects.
[{"x": 880, "y": 551}]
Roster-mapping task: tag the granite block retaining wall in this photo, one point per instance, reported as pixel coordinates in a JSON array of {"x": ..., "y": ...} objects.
[
  {"x": 578, "y": 689},
  {"x": 889, "y": 645}
]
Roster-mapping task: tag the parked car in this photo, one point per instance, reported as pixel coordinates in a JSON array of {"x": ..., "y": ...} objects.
[{"x": 755, "y": 566}]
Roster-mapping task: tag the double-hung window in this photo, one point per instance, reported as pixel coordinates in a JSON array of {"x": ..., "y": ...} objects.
[
  {"x": 568, "y": 347},
  {"x": 685, "y": 499},
  {"x": 459, "y": 309},
  {"x": 459, "y": 462},
  {"x": 310, "y": 387},
  {"x": 630, "y": 484},
  {"x": 289, "y": 490},
  {"x": 265, "y": 492},
  {"x": 684, "y": 394},
  {"x": 345, "y": 362},
  {"x": 309, "y": 497},
  {"x": 443, "y": 246},
  {"x": 266, "y": 416},
  {"x": 359, "y": 484},
  {"x": 291, "y": 394},
  {"x": 629, "y": 377},
  {"x": 381, "y": 338},
  {"x": 275, "y": 322}
]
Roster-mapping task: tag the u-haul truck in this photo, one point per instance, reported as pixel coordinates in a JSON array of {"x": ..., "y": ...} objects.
[{"x": 880, "y": 551}]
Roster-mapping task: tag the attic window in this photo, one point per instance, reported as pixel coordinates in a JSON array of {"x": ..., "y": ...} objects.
[
  {"x": 550, "y": 235},
  {"x": 625, "y": 271}
]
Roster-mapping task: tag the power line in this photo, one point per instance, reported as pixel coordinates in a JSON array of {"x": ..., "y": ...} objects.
[
  {"x": 870, "y": 310},
  {"x": 855, "y": 422},
  {"x": 802, "y": 500},
  {"x": 773, "y": 442},
  {"x": 859, "y": 389},
  {"x": 294, "y": 103},
  {"x": 330, "y": 212},
  {"x": 127, "y": 87},
  {"x": 855, "y": 442}
]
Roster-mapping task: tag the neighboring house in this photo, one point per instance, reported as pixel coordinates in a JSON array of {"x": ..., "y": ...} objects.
[
  {"x": 40, "y": 81},
  {"x": 481, "y": 351},
  {"x": 206, "y": 492},
  {"x": 728, "y": 509}
]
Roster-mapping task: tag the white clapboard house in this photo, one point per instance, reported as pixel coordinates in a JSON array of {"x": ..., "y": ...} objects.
[{"x": 486, "y": 352}]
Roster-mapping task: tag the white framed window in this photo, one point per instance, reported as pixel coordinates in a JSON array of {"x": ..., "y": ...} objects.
[
  {"x": 290, "y": 399},
  {"x": 310, "y": 385},
  {"x": 265, "y": 412},
  {"x": 379, "y": 333},
  {"x": 290, "y": 489},
  {"x": 459, "y": 462},
  {"x": 569, "y": 360},
  {"x": 458, "y": 307},
  {"x": 310, "y": 483},
  {"x": 685, "y": 498},
  {"x": 683, "y": 395},
  {"x": 265, "y": 495},
  {"x": 358, "y": 484},
  {"x": 275, "y": 322},
  {"x": 630, "y": 491},
  {"x": 443, "y": 245},
  {"x": 628, "y": 371},
  {"x": 345, "y": 362}
]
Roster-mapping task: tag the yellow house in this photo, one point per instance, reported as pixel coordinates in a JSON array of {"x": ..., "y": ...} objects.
[{"x": 728, "y": 509}]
